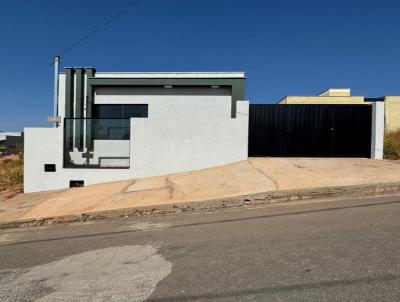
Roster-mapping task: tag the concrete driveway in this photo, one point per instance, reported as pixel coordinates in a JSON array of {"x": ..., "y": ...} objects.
[{"x": 247, "y": 177}]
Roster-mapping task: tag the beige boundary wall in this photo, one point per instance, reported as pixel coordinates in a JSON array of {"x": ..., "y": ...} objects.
[
  {"x": 392, "y": 113},
  {"x": 322, "y": 100}
]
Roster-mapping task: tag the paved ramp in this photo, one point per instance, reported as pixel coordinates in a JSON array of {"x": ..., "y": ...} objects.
[{"x": 246, "y": 177}]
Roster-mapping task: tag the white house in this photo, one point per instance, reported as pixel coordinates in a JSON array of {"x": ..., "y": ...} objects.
[{"x": 117, "y": 126}]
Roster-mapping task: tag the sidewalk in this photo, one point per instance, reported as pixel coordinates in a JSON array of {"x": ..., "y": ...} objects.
[{"x": 247, "y": 177}]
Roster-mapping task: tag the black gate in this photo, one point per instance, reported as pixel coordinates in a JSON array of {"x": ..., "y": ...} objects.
[{"x": 310, "y": 130}]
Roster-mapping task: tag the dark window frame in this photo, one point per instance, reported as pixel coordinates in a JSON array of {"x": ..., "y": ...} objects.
[{"x": 143, "y": 111}]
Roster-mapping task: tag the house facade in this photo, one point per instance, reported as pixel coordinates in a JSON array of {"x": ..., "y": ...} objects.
[
  {"x": 117, "y": 126},
  {"x": 120, "y": 126}
]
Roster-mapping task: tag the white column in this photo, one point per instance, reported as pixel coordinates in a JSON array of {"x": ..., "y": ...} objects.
[{"x": 378, "y": 130}]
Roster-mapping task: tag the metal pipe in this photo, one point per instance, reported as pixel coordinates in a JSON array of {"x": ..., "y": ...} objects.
[{"x": 56, "y": 72}]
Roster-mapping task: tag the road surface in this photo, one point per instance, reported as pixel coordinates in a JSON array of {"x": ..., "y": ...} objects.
[{"x": 327, "y": 251}]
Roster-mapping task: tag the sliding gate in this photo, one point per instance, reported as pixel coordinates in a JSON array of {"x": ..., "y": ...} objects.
[{"x": 310, "y": 130}]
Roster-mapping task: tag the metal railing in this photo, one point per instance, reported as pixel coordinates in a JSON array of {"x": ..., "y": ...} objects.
[{"x": 96, "y": 143}]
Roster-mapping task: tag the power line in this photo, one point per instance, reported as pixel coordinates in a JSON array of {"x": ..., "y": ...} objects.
[{"x": 100, "y": 27}]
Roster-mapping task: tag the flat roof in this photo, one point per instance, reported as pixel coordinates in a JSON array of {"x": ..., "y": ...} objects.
[
  {"x": 172, "y": 75},
  {"x": 335, "y": 90}
]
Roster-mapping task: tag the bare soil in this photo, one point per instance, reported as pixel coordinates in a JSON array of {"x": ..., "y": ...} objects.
[{"x": 11, "y": 176}]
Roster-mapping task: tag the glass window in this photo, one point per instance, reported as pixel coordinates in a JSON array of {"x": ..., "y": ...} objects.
[
  {"x": 120, "y": 111},
  {"x": 129, "y": 111},
  {"x": 110, "y": 129},
  {"x": 108, "y": 111}
]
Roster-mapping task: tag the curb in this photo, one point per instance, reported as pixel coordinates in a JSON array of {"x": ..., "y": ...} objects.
[{"x": 256, "y": 199}]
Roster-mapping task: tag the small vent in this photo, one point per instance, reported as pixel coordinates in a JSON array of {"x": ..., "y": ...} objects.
[
  {"x": 49, "y": 168},
  {"x": 76, "y": 183}
]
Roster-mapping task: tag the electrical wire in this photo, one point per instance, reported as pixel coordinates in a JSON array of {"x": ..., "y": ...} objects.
[{"x": 99, "y": 28}]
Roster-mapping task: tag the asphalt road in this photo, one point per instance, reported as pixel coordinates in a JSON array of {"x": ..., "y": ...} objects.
[{"x": 331, "y": 251}]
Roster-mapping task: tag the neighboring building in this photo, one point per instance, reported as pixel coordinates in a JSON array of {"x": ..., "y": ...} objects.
[
  {"x": 343, "y": 96},
  {"x": 11, "y": 142},
  {"x": 4, "y": 134},
  {"x": 330, "y": 96},
  {"x": 117, "y": 126}
]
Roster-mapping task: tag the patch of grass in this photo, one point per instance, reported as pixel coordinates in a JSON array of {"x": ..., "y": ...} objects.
[
  {"x": 391, "y": 148},
  {"x": 11, "y": 173}
]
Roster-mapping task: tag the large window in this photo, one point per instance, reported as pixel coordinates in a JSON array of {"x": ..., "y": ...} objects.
[{"x": 120, "y": 111}]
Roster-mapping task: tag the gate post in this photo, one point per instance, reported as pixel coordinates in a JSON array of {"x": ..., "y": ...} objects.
[{"x": 378, "y": 130}]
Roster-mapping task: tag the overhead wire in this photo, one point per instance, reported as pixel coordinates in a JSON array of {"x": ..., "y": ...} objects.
[{"x": 99, "y": 28}]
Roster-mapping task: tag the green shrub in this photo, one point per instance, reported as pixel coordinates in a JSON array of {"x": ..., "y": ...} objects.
[
  {"x": 391, "y": 148},
  {"x": 11, "y": 173}
]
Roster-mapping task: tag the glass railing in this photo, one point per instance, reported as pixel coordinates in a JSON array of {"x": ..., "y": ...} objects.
[{"x": 96, "y": 143}]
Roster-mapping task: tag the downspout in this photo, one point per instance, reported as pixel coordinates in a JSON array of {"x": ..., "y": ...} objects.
[{"x": 56, "y": 72}]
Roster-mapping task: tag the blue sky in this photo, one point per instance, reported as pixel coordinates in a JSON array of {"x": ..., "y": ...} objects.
[{"x": 286, "y": 47}]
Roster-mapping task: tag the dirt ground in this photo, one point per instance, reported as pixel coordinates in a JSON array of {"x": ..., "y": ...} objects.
[{"x": 11, "y": 176}]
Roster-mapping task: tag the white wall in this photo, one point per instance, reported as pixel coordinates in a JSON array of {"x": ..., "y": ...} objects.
[
  {"x": 187, "y": 129},
  {"x": 378, "y": 130},
  {"x": 42, "y": 145},
  {"x": 45, "y": 146},
  {"x": 171, "y": 102},
  {"x": 163, "y": 145}
]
